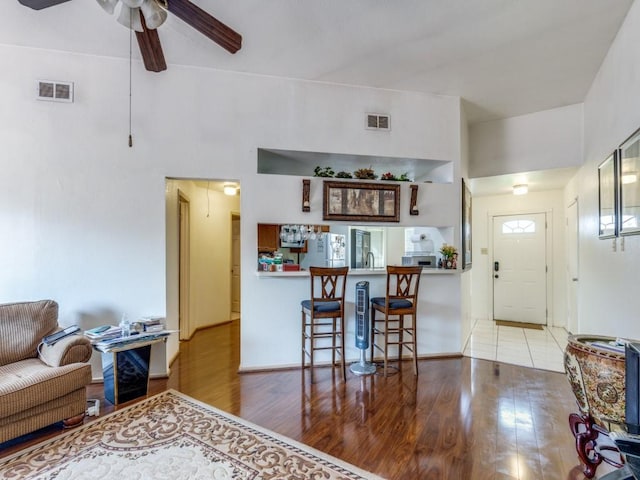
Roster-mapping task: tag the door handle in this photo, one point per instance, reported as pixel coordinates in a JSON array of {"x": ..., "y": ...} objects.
[
  {"x": 496, "y": 266},
  {"x": 574, "y": 279}
]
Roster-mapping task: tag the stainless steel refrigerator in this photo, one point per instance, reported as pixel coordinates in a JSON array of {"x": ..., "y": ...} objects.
[
  {"x": 327, "y": 250},
  {"x": 361, "y": 255}
]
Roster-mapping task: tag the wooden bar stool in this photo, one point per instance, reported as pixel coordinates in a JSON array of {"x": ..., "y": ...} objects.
[
  {"x": 400, "y": 301},
  {"x": 323, "y": 314}
]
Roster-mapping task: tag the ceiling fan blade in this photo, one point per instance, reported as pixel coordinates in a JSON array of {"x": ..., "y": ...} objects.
[
  {"x": 150, "y": 48},
  {"x": 209, "y": 26},
  {"x": 40, "y": 4}
]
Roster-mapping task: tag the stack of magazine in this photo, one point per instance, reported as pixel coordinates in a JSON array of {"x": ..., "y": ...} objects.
[
  {"x": 102, "y": 332},
  {"x": 152, "y": 324},
  {"x": 107, "y": 344}
]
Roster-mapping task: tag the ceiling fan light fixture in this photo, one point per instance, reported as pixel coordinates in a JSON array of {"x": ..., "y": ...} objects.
[
  {"x": 108, "y": 6},
  {"x": 154, "y": 14},
  {"x": 133, "y": 3},
  {"x": 520, "y": 189},
  {"x": 130, "y": 18}
]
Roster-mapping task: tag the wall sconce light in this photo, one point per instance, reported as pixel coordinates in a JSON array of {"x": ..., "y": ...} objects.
[
  {"x": 306, "y": 190},
  {"x": 413, "y": 204},
  {"x": 520, "y": 189},
  {"x": 230, "y": 189}
]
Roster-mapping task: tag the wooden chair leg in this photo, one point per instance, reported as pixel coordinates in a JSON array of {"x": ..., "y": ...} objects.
[
  {"x": 386, "y": 342},
  {"x": 304, "y": 340},
  {"x": 342, "y": 331},
  {"x": 372, "y": 338},
  {"x": 333, "y": 344},
  {"x": 414, "y": 343},
  {"x": 312, "y": 341},
  {"x": 400, "y": 338}
]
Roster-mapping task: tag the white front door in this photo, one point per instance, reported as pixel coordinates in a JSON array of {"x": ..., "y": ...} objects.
[{"x": 519, "y": 269}]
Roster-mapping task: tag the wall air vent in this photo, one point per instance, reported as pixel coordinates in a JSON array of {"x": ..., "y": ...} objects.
[
  {"x": 55, "y": 91},
  {"x": 378, "y": 121}
]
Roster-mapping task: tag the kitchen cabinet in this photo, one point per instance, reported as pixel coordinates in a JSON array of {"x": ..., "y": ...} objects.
[{"x": 268, "y": 237}]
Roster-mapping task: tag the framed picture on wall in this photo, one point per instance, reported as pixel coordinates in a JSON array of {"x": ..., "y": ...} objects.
[
  {"x": 629, "y": 168},
  {"x": 608, "y": 197},
  {"x": 354, "y": 201},
  {"x": 466, "y": 226}
]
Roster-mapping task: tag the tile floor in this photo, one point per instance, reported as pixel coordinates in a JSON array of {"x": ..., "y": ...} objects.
[{"x": 541, "y": 349}]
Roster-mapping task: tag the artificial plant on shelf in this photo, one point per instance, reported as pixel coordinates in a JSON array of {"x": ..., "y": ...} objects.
[
  {"x": 448, "y": 251},
  {"x": 365, "y": 174},
  {"x": 449, "y": 256},
  {"x": 323, "y": 171},
  {"x": 343, "y": 174}
]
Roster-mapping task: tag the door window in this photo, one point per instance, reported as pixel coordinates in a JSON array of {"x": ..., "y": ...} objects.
[{"x": 518, "y": 226}]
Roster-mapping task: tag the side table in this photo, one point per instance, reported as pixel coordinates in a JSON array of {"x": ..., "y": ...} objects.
[{"x": 125, "y": 366}]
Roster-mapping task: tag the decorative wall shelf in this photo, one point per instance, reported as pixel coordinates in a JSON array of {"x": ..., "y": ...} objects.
[{"x": 292, "y": 162}]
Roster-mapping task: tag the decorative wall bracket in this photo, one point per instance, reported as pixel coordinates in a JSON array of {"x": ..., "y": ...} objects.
[
  {"x": 306, "y": 190},
  {"x": 413, "y": 204}
]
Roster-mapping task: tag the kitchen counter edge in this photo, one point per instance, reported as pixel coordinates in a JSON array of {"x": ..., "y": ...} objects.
[{"x": 356, "y": 272}]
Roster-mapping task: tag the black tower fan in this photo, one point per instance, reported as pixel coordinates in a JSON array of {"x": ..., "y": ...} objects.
[{"x": 362, "y": 330}]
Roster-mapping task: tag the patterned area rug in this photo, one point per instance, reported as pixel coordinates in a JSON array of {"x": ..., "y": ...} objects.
[{"x": 173, "y": 436}]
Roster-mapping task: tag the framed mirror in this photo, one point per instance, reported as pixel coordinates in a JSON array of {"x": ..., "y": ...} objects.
[
  {"x": 629, "y": 168},
  {"x": 607, "y": 197},
  {"x": 466, "y": 226}
]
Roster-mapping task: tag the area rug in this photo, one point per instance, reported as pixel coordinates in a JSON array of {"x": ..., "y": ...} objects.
[
  {"x": 173, "y": 436},
  {"x": 507, "y": 323}
]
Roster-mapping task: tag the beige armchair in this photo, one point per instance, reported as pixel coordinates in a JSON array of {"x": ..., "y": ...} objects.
[{"x": 39, "y": 385}]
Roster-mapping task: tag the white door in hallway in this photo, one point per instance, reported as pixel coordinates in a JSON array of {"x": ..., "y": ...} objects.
[
  {"x": 572, "y": 267},
  {"x": 235, "y": 263},
  {"x": 519, "y": 269}
]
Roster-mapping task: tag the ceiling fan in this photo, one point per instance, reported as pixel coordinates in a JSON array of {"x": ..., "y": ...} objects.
[{"x": 145, "y": 16}]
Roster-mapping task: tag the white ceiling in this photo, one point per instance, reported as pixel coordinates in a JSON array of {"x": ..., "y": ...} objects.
[
  {"x": 538, "y": 181},
  {"x": 503, "y": 57}
]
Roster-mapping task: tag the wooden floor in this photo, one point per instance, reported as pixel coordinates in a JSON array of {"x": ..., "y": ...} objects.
[{"x": 460, "y": 419}]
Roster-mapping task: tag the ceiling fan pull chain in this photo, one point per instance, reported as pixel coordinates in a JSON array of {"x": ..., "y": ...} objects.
[{"x": 130, "y": 55}]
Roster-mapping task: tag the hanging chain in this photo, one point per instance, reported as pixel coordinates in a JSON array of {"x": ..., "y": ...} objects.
[{"x": 130, "y": 61}]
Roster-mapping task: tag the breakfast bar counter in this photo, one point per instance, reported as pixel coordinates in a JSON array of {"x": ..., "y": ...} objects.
[
  {"x": 275, "y": 307},
  {"x": 354, "y": 271}
]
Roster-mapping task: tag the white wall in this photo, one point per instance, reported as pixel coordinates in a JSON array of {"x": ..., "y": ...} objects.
[
  {"x": 608, "y": 278},
  {"x": 466, "y": 277},
  {"x": 484, "y": 208},
  {"x": 538, "y": 141},
  {"x": 83, "y": 214}
]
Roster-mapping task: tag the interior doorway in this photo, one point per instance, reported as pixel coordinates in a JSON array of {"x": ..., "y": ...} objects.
[
  {"x": 184, "y": 268},
  {"x": 520, "y": 268},
  {"x": 203, "y": 253}
]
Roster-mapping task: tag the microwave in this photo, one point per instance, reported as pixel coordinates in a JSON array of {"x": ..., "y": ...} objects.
[{"x": 427, "y": 261}]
